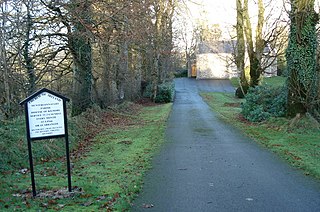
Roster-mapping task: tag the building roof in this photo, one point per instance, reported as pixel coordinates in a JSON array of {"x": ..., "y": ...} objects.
[
  {"x": 217, "y": 47},
  {"x": 228, "y": 47}
]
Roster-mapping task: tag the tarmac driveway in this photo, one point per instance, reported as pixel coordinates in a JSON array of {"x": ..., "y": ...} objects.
[{"x": 207, "y": 165}]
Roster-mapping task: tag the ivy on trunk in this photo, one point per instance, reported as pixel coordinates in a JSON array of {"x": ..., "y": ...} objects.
[
  {"x": 80, "y": 47},
  {"x": 302, "y": 80}
]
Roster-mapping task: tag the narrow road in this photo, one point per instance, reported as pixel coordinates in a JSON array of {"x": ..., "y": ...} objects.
[{"x": 207, "y": 165}]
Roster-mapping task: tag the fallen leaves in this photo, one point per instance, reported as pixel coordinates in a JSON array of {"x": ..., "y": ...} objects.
[
  {"x": 126, "y": 142},
  {"x": 51, "y": 194},
  {"x": 144, "y": 205},
  {"x": 232, "y": 104},
  {"x": 23, "y": 171},
  {"x": 87, "y": 204}
]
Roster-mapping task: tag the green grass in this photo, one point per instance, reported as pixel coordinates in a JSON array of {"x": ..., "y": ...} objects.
[
  {"x": 296, "y": 142},
  {"x": 276, "y": 81},
  {"x": 109, "y": 171},
  {"x": 13, "y": 145}
]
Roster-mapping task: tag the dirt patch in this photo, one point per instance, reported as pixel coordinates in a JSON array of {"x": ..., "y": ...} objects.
[
  {"x": 52, "y": 194},
  {"x": 147, "y": 102},
  {"x": 241, "y": 118},
  {"x": 232, "y": 104}
]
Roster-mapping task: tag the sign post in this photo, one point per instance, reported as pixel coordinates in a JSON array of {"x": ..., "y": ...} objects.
[{"x": 46, "y": 118}]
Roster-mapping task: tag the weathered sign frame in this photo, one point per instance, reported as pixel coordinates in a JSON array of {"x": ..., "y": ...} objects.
[{"x": 33, "y": 97}]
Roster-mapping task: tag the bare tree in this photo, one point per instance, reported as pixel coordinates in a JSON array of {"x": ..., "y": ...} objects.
[
  {"x": 240, "y": 51},
  {"x": 3, "y": 63}
]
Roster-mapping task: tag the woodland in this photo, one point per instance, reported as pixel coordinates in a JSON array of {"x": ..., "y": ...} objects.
[
  {"x": 106, "y": 54},
  {"x": 93, "y": 51},
  {"x": 103, "y": 53}
]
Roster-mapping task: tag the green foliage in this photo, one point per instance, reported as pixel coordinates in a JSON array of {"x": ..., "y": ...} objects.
[
  {"x": 181, "y": 73},
  {"x": 301, "y": 61},
  {"x": 263, "y": 102},
  {"x": 147, "y": 93},
  {"x": 165, "y": 93}
]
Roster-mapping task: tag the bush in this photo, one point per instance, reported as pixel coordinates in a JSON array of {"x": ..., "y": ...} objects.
[
  {"x": 181, "y": 73},
  {"x": 263, "y": 102},
  {"x": 165, "y": 92},
  {"x": 147, "y": 93}
]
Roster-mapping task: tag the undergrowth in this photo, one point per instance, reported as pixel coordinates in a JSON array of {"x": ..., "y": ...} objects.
[{"x": 108, "y": 163}]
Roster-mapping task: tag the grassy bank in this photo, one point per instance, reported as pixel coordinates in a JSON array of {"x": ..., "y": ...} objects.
[
  {"x": 107, "y": 168},
  {"x": 296, "y": 141},
  {"x": 271, "y": 81}
]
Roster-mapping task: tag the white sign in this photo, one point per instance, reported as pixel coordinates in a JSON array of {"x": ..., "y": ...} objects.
[{"x": 46, "y": 117}]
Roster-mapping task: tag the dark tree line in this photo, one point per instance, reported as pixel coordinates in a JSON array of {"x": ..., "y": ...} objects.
[{"x": 95, "y": 51}]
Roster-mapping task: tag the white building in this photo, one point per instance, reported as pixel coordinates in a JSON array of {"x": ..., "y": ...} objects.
[{"x": 216, "y": 61}]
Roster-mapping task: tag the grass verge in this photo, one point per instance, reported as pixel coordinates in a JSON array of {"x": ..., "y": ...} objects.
[
  {"x": 276, "y": 81},
  {"x": 296, "y": 141},
  {"x": 106, "y": 175}
]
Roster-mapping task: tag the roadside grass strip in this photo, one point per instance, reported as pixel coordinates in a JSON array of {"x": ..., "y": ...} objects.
[
  {"x": 106, "y": 176},
  {"x": 296, "y": 141}
]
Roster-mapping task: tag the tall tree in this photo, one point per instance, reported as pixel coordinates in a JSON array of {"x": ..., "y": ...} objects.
[
  {"x": 303, "y": 79},
  {"x": 3, "y": 62},
  {"x": 162, "y": 40},
  {"x": 29, "y": 63},
  {"x": 80, "y": 47},
  {"x": 255, "y": 52},
  {"x": 240, "y": 54}
]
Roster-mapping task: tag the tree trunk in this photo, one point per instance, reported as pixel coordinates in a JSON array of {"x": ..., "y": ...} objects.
[
  {"x": 123, "y": 82},
  {"x": 82, "y": 75},
  {"x": 302, "y": 79},
  {"x": 255, "y": 55},
  {"x": 31, "y": 76},
  {"x": 3, "y": 60},
  {"x": 80, "y": 47},
  {"x": 260, "y": 45},
  {"x": 108, "y": 77},
  {"x": 240, "y": 57}
]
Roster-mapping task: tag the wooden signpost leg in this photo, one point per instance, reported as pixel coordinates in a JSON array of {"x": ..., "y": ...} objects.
[
  {"x": 68, "y": 163},
  {"x": 34, "y": 193}
]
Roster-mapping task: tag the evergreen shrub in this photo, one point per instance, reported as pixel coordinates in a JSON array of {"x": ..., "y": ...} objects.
[
  {"x": 263, "y": 102},
  {"x": 165, "y": 93}
]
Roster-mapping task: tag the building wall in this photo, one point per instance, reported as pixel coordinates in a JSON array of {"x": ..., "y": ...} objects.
[
  {"x": 214, "y": 66},
  {"x": 219, "y": 66},
  {"x": 271, "y": 64}
]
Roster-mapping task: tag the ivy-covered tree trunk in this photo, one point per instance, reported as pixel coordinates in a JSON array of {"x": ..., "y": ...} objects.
[
  {"x": 301, "y": 58},
  {"x": 80, "y": 47}
]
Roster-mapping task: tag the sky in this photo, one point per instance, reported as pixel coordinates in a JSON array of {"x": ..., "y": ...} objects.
[
  {"x": 223, "y": 12},
  {"x": 217, "y": 11}
]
